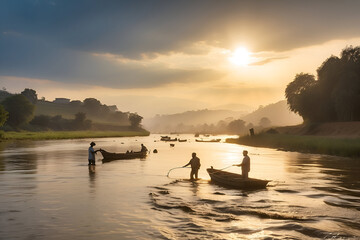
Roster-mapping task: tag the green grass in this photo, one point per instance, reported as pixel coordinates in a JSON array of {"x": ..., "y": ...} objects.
[
  {"x": 347, "y": 147},
  {"x": 46, "y": 135}
]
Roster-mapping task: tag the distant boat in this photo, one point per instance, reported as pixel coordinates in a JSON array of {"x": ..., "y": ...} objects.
[
  {"x": 164, "y": 138},
  {"x": 108, "y": 156},
  {"x": 234, "y": 180},
  {"x": 212, "y": 140},
  {"x": 168, "y": 139},
  {"x": 171, "y": 140},
  {"x": 182, "y": 140}
]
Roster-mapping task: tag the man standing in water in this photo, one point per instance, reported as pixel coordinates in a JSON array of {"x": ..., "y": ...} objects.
[
  {"x": 92, "y": 153},
  {"x": 245, "y": 165},
  {"x": 195, "y": 165}
]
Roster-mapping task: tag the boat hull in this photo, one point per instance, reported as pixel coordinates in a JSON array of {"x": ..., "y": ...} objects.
[
  {"x": 234, "y": 180},
  {"x": 213, "y": 140},
  {"x": 108, "y": 156}
]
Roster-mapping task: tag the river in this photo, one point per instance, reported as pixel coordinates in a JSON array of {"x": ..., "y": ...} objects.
[{"x": 49, "y": 192}]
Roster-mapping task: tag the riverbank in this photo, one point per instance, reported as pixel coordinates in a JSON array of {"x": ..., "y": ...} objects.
[
  {"x": 47, "y": 135},
  {"x": 346, "y": 147}
]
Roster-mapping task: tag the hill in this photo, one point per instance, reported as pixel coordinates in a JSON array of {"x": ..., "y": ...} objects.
[
  {"x": 182, "y": 122},
  {"x": 278, "y": 113}
]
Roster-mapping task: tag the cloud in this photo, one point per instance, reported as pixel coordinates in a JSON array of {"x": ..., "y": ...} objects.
[
  {"x": 28, "y": 57},
  {"x": 132, "y": 28},
  {"x": 266, "y": 61},
  {"x": 57, "y": 39}
]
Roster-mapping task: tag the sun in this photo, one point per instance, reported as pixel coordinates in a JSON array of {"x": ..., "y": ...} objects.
[{"x": 240, "y": 57}]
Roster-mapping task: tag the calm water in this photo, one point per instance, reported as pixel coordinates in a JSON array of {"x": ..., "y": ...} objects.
[{"x": 49, "y": 192}]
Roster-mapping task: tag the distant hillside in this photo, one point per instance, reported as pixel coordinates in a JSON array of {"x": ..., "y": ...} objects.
[
  {"x": 174, "y": 122},
  {"x": 100, "y": 114},
  {"x": 278, "y": 113},
  {"x": 191, "y": 121}
]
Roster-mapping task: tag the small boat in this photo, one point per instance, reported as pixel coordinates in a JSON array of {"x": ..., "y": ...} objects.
[
  {"x": 212, "y": 140},
  {"x": 171, "y": 140},
  {"x": 234, "y": 180},
  {"x": 108, "y": 156},
  {"x": 182, "y": 140},
  {"x": 164, "y": 138}
]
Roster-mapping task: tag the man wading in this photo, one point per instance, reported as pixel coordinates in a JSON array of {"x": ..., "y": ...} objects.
[
  {"x": 195, "y": 165},
  {"x": 92, "y": 153}
]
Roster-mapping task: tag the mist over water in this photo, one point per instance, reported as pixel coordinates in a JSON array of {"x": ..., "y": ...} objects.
[{"x": 49, "y": 192}]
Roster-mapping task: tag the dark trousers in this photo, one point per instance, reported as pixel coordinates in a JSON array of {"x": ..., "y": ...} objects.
[
  {"x": 194, "y": 171},
  {"x": 91, "y": 162},
  {"x": 245, "y": 174}
]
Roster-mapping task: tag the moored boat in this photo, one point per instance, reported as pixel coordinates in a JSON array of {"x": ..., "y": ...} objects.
[
  {"x": 212, "y": 140},
  {"x": 108, "y": 156},
  {"x": 234, "y": 180}
]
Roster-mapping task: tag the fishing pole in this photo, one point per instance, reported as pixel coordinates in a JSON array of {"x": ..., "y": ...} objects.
[
  {"x": 227, "y": 167},
  {"x": 173, "y": 169}
]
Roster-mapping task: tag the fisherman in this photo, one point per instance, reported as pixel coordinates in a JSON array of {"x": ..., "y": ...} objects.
[
  {"x": 195, "y": 165},
  {"x": 245, "y": 165},
  {"x": 92, "y": 153},
  {"x": 143, "y": 148}
]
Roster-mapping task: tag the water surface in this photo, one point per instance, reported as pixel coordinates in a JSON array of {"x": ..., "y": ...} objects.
[{"x": 49, "y": 192}]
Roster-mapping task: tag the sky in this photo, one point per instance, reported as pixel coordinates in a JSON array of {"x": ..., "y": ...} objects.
[{"x": 162, "y": 56}]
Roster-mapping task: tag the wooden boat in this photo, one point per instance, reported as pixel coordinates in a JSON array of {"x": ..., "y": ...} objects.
[
  {"x": 108, "y": 156},
  {"x": 182, "y": 140},
  {"x": 164, "y": 138},
  {"x": 171, "y": 140},
  {"x": 212, "y": 140},
  {"x": 168, "y": 139},
  {"x": 234, "y": 180}
]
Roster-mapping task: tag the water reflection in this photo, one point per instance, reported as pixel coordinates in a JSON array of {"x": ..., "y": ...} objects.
[
  {"x": 312, "y": 196},
  {"x": 92, "y": 176}
]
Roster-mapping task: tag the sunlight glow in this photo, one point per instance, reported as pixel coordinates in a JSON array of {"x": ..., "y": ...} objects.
[{"x": 240, "y": 57}]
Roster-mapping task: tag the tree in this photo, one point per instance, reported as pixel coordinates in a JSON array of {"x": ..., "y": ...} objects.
[
  {"x": 41, "y": 120},
  {"x": 92, "y": 105},
  {"x": 80, "y": 122},
  {"x": 3, "y": 115},
  {"x": 20, "y": 110},
  {"x": 335, "y": 96},
  {"x": 265, "y": 122},
  {"x": 30, "y": 94},
  {"x": 237, "y": 126},
  {"x": 135, "y": 120},
  {"x": 299, "y": 94}
]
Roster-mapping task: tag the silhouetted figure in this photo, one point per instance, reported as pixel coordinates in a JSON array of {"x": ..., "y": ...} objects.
[
  {"x": 143, "y": 148},
  {"x": 195, "y": 165},
  {"x": 92, "y": 153},
  {"x": 245, "y": 165}
]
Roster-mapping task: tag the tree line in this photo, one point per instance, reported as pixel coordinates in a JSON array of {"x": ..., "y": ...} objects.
[
  {"x": 17, "y": 112},
  {"x": 227, "y": 126},
  {"x": 334, "y": 95}
]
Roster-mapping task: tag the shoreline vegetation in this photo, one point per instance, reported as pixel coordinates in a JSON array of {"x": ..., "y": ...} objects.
[
  {"x": 54, "y": 135},
  {"x": 337, "y": 146}
]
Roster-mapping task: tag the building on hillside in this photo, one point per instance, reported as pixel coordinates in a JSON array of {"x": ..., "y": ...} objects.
[
  {"x": 61, "y": 100},
  {"x": 76, "y": 103},
  {"x": 113, "y": 108}
]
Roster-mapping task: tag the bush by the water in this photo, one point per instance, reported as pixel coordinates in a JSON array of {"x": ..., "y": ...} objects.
[{"x": 347, "y": 147}]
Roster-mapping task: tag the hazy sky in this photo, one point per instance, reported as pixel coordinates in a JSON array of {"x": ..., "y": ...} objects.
[{"x": 169, "y": 56}]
